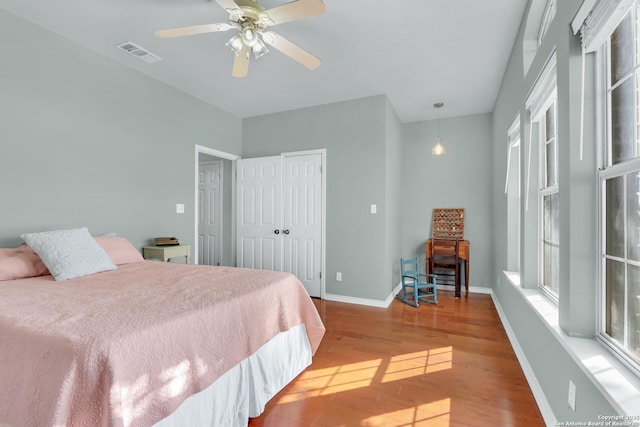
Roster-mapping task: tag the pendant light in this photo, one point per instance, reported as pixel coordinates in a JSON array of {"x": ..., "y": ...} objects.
[{"x": 438, "y": 148}]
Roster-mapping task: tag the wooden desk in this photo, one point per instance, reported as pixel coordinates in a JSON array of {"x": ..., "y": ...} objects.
[
  {"x": 167, "y": 252},
  {"x": 463, "y": 253}
]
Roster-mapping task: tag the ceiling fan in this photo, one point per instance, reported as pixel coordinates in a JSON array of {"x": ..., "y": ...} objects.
[{"x": 251, "y": 19}]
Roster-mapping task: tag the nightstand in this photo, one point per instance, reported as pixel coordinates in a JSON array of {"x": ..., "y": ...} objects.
[{"x": 165, "y": 253}]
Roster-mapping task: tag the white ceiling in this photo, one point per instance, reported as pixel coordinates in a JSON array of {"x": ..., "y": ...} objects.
[{"x": 417, "y": 52}]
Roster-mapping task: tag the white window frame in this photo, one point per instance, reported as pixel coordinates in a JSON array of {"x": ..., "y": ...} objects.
[
  {"x": 545, "y": 190},
  {"x": 606, "y": 172},
  {"x": 512, "y": 190},
  {"x": 543, "y": 95}
]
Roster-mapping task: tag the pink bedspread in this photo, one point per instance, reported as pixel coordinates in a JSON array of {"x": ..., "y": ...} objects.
[{"x": 126, "y": 347}]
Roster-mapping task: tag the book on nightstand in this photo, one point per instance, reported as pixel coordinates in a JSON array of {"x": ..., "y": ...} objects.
[{"x": 166, "y": 241}]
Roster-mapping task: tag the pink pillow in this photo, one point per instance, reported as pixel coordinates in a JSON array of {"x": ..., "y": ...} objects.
[
  {"x": 119, "y": 250},
  {"x": 20, "y": 263}
]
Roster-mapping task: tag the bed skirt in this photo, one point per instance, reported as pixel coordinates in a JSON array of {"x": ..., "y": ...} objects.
[{"x": 255, "y": 380}]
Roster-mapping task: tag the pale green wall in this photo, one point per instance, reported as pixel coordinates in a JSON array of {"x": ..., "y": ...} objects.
[
  {"x": 353, "y": 132},
  {"x": 103, "y": 146},
  {"x": 86, "y": 141},
  {"x": 459, "y": 179},
  {"x": 373, "y": 158},
  {"x": 393, "y": 196},
  {"x": 552, "y": 365}
]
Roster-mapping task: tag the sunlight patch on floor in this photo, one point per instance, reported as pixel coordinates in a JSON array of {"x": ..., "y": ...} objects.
[
  {"x": 432, "y": 414},
  {"x": 327, "y": 381},
  {"x": 418, "y": 364},
  {"x": 351, "y": 376}
]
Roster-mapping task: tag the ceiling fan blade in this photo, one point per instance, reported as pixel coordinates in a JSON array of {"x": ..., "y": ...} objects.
[
  {"x": 241, "y": 62},
  {"x": 295, "y": 52},
  {"x": 232, "y": 8},
  {"x": 227, "y": 4},
  {"x": 295, "y": 10},
  {"x": 195, "y": 29}
]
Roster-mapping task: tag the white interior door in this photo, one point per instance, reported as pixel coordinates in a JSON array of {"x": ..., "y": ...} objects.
[
  {"x": 302, "y": 216},
  {"x": 280, "y": 216},
  {"x": 210, "y": 213},
  {"x": 259, "y": 215}
]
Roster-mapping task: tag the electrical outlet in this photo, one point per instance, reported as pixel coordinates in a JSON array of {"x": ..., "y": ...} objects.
[
  {"x": 179, "y": 208},
  {"x": 338, "y": 277},
  {"x": 572, "y": 395}
]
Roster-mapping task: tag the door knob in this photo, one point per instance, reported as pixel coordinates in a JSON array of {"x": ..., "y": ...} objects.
[
  {"x": 276, "y": 231},
  {"x": 285, "y": 231}
]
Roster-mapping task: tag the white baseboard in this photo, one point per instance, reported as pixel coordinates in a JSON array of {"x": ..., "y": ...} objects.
[
  {"x": 387, "y": 302},
  {"x": 356, "y": 300},
  {"x": 472, "y": 289},
  {"x": 536, "y": 389}
]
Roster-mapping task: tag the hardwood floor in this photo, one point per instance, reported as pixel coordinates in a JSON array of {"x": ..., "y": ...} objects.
[{"x": 449, "y": 364}]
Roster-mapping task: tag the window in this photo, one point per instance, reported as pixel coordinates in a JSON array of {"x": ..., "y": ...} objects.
[
  {"x": 547, "y": 17},
  {"x": 538, "y": 20},
  {"x": 620, "y": 194},
  {"x": 542, "y": 106},
  {"x": 512, "y": 190},
  {"x": 549, "y": 203}
]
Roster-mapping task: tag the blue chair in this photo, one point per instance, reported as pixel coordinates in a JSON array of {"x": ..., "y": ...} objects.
[{"x": 421, "y": 287}]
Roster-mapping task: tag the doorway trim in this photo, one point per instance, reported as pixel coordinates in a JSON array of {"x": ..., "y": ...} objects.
[{"x": 223, "y": 155}]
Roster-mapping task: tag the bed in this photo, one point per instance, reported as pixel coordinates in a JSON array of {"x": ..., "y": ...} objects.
[{"x": 147, "y": 343}]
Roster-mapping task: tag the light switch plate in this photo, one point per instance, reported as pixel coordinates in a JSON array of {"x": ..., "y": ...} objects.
[
  {"x": 179, "y": 208},
  {"x": 374, "y": 208}
]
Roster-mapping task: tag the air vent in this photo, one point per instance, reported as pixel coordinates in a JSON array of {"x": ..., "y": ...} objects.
[{"x": 138, "y": 52}]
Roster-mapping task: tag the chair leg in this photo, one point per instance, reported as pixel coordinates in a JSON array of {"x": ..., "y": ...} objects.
[
  {"x": 403, "y": 295},
  {"x": 466, "y": 284},
  {"x": 466, "y": 275},
  {"x": 435, "y": 293}
]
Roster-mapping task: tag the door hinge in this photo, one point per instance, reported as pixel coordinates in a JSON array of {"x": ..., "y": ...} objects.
[{"x": 321, "y": 274}]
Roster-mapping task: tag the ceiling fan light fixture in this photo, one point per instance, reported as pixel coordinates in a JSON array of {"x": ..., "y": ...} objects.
[
  {"x": 235, "y": 44},
  {"x": 250, "y": 35},
  {"x": 259, "y": 49}
]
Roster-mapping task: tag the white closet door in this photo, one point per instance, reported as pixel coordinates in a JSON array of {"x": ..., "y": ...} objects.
[
  {"x": 259, "y": 213},
  {"x": 210, "y": 213},
  {"x": 280, "y": 216},
  {"x": 302, "y": 219}
]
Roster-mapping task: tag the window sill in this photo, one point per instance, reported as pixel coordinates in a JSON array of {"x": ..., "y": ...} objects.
[{"x": 619, "y": 385}]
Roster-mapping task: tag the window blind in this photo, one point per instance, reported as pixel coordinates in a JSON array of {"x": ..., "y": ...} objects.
[{"x": 596, "y": 19}]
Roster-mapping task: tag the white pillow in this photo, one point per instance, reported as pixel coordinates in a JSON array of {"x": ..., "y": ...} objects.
[{"x": 69, "y": 253}]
